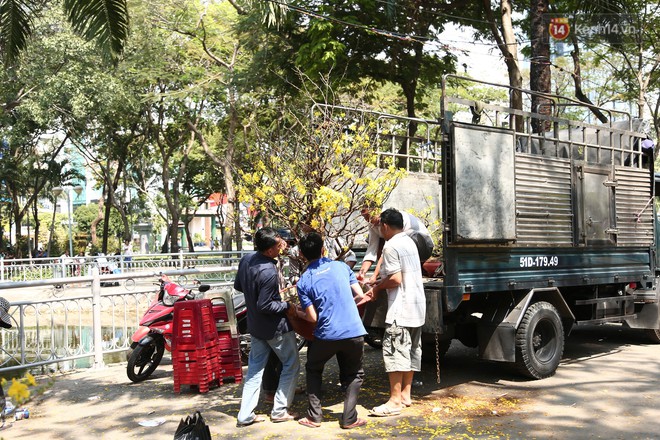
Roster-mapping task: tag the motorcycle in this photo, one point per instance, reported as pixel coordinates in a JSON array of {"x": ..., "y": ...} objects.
[{"x": 154, "y": 335}]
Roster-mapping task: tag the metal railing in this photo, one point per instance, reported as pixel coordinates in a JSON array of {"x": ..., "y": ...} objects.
[
  {"x": 30, "y": 269},
  {"x": 63, "y": 330}
]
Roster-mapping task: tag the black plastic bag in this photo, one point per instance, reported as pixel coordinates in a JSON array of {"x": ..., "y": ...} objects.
[{"x": 193, "y": 428}]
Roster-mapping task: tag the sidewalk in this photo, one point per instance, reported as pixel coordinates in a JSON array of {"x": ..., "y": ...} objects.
[{"x": 607, "y": 386}]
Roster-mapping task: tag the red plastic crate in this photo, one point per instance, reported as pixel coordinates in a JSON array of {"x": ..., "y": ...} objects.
[
  {"x": 220, "y": 313},
  {"x": 193, "y": 324}
]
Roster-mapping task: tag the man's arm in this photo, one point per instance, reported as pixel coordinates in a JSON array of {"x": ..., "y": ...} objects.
[
  {"x": 371, "y": 254},
  {"x": 374, "y": 276},
  {"x": 266, "y": 301},
  {"x": 308, "y": 314},
  {"x": 389, "y": 282},
  {"x": 358, "y": 294}
]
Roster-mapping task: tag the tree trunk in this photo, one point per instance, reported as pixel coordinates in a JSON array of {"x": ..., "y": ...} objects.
[
  {"x": 106, "y": 217},
  {"x": 52, "y": 226},
  {"x": 577, "y": 80},
  {"x": 506, "y": 41},
  {"x": 96, "y": 221},
  {"x": 539, "y": 75},
  {"x": 18, "y": 219},
  {"x": 237, "y": 227},
  {"x": 174, "y": 233}
]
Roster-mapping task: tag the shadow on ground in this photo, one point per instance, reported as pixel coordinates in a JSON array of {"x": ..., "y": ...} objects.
[{"x": 475, "y": 399}]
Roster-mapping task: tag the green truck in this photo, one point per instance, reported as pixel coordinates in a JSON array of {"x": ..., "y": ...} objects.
[{"x": 549, "y": 221}]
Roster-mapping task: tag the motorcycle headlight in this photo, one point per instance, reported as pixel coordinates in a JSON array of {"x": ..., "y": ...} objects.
[{"x": 168, "y": 299}]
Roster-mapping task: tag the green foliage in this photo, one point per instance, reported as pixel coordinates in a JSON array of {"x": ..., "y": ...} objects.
[
  {"x": 15, "y": 23},
  {"x": 350, "y": 41},
  {"x": 104, "y": 21},
  {"x": 85, "y": 215}
]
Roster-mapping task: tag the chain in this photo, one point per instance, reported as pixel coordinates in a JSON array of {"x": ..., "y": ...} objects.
[{"x": 437, "y": 356}]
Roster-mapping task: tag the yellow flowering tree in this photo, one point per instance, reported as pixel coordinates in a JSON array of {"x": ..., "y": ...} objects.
[{"x": 318, "y": 173}]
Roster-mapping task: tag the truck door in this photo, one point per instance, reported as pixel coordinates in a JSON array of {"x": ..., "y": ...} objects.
[{"x": 596, "y": 206}]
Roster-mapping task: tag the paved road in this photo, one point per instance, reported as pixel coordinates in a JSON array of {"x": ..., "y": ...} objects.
[{"x": 607, "y": 387}]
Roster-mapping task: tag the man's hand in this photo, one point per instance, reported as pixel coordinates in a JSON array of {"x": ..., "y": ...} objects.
[
  {"x": 368, "y": 296},
  {"x": 372, "y": 281},
  {"x": 291, "y": 310}
]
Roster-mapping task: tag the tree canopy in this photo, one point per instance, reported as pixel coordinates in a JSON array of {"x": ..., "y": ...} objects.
[{"x": 189, "y": 98}]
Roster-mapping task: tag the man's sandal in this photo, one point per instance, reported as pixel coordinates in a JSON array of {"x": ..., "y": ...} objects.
[
  {"x": 356, "y": 424},
  {"x": 310, "y": 424},
  {"x": 257, "y": 419},
  {"x": 384, "y": 411}
]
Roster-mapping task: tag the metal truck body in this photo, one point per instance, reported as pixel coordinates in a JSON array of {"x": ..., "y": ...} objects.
[{"x": 542, "y": 229}]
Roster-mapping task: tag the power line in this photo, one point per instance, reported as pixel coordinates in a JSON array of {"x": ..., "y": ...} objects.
[{"x": 385, "y": 33}]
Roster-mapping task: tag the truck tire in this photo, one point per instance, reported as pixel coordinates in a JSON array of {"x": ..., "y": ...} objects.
[
  {"x": 654, "y": 335},
  {"x": 539, "y": 341}
]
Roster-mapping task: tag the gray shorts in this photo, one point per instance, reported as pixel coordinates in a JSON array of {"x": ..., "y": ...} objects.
[{"x": 402, "y": 348}]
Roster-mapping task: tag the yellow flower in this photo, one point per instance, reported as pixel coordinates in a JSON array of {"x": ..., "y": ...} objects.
[
  {"x": 30, "y": 379},
  {"x": 18, "y": 391}
]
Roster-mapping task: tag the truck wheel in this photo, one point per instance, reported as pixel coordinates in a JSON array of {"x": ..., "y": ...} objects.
[
  {"x": 654, "y": 335},
  {"x": 539, "y": 341}
]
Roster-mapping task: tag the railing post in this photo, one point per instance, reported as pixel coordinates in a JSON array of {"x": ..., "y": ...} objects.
[
  {"x": 2, "y": 268},
  {"x": 21, "y": 334},
  {"x": 180, "y": 258},
  {"x": 96, "y": 318}
]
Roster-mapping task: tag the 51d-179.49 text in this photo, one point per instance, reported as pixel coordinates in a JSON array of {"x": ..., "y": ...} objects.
[{"x": 539, "y": 261}]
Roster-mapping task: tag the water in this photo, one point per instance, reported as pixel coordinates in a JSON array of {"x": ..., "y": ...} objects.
[{"x": 61, "y": 341}]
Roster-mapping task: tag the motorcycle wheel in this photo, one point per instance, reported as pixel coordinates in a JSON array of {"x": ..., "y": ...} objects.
[
  {"x": 145, "y": 359},
  {"x": 300, "y": 342},
  {"x": 244, "y": 341},
  {"x": 374, "y": 337},
  {"x": 129, "y": 353}
]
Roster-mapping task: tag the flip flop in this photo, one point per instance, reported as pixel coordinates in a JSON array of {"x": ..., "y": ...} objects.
[
  {"x": 257, "y": 419},
  {"x": 284, "y": 418},
  {"x": 384, "y": 411},
  {"x": 306, "y": 422},
  {"x": 356, "y": 424}
]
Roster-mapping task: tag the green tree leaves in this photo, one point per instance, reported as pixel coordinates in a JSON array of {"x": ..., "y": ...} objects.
[{"x": 104, "y": 21}]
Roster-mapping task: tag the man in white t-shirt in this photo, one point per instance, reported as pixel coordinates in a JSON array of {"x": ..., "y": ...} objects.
[
  {"x": 412, "y": 226},
  {"x": 401, "y": 277}
]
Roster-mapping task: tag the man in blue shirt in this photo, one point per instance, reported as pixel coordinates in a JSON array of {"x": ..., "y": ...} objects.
[
  {"x": 258, "y": 279},
  {"x": 328, "y": 291}
]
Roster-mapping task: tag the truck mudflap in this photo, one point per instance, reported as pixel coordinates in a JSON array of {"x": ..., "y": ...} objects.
[
  {"x": 647, "y": 302},
  {"x": 528, "y": 330}
]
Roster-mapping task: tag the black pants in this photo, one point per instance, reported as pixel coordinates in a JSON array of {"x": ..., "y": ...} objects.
[{"x": 349, "y": 354}]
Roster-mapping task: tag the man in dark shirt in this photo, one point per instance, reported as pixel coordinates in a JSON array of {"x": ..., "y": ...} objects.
[{"x": 257, "y": 278}]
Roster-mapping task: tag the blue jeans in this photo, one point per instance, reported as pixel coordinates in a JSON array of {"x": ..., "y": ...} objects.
[{"x": 286, "y": 349}]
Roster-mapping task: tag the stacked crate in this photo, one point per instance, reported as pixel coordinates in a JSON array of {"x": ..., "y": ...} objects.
[
  {"x": 228, "y": 342},
  {"x": 195, "y": 345}
]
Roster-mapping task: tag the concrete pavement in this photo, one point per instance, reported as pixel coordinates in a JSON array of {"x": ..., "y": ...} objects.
[{"x": 607, "y": 387}]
